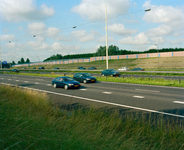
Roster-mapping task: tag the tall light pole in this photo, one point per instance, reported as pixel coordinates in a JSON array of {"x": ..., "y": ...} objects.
[
  {"x": 1, "y": 55},
  {"x": 107, "y": 57},
  {"x": 157, "y": 54},
  {"x": 39, "y": 60}
]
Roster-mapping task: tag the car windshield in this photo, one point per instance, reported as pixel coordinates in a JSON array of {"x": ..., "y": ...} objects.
[
  {"x": 113, "y": 70},
  {"x": 67, "y": 79},
  {"x": 86, "y": 75}
]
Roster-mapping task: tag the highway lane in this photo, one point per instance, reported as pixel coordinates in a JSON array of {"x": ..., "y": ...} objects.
[{"x": 130, "y": 96}]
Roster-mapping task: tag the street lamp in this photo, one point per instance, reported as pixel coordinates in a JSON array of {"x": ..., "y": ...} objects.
[
  {"x": 157, "y": 54},
  {"x": 107, "y": 66},
  {"x": 39, "y": 60},
  {"x": 1, "y": 55},
  {"x": 107, "y": 57}
]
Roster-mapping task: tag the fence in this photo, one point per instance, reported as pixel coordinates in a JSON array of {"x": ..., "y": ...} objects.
[{"x": 81, "y": 60}]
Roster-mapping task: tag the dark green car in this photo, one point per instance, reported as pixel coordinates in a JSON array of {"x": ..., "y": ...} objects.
[
  {"x": 84, "y": 77},
  {"x": 110, "y": 72}
]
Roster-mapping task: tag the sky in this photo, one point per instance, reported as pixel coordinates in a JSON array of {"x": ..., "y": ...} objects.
[{"x": 38, "y": 29}]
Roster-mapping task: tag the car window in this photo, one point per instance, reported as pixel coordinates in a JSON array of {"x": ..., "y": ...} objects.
[
  {"x": 87, "y": 75},
  {"x": 67, "y": 79}
]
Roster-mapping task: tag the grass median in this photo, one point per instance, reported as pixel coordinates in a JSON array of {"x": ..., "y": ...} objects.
[{"x": 29, "y": 121}]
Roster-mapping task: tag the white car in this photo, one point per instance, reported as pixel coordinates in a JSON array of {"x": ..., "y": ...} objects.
[{"x": 123, "y": 69}]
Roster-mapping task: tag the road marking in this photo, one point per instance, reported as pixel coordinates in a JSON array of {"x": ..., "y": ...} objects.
[
  {"x": 107, "y": 92},
  {"x": 2, "y": 78},
  {"x": 138, "y": 96},
  {"x": 99, "y": 101},
  {"x": 26, "y": 81},
  {"x": 40, "y": 79},
  {"x": 17, "y": 80},
  {"x": 9, "y": 79},
  {"x": 179, "y": 102},
  {"x": 83, "y": 89},
  {"x": 147, "y": 90},
  {"x": 49, "y": 84},
  {"x": 36, "y": 83}
]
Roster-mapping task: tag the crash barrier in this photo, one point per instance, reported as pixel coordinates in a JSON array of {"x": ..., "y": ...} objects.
[{"x": 81, "y": 60}]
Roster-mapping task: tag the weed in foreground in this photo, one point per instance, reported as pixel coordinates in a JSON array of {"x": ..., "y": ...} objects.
[{"x": 29, "y": 121}]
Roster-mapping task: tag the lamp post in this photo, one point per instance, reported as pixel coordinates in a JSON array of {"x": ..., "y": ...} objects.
[
  {"x": 157, "y": 54},
  {"x": 1, "y": 55},
  {"x": 39, "y": 60},
  {"x": 107, "y": 57}
]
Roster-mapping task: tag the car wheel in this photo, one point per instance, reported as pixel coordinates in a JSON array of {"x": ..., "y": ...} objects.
[
  {"x": 111, "y": 75},
  {"x": 66, "y": 87},
  {"x": 85, "y": 81},
  {"x": 55, "y": 85}
]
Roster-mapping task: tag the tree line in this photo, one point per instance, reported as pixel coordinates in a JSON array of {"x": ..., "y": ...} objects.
[
  {"x": 112, "y": 50},
  {"x": 21, "y": 61}
]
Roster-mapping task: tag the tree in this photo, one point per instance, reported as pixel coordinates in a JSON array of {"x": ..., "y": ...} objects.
[
  {"x": 13, "y": 63},
  {"x": 27, "y": 60},
  {"x": 22, "y": 61}
]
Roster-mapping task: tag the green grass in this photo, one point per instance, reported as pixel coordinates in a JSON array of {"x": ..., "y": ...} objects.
[
  {"x": 165, "y": 63},
  {"x": 29, "y": 121},
  {"x": 144, "y": 80}
]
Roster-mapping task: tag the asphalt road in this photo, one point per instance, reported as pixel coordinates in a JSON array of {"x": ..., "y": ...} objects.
[{"x": 131, "y": 97}]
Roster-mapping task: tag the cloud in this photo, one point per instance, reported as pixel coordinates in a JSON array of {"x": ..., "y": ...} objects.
[
  {"x": 137, "y": 40},
  {"x": 7, "y": 37},
  {"x": 163, "y": 14},
  {"x": 37, "y": 28},
  {"x": 83, "y": 36},
  {"x": 95, "y": 9},
  {"x": 120, "y": 30},
  {"x": 160, "y": 31},
  {"x": 102, "y": 39},
  {"x": 157, "y": 40},
  {"x": 24, "y": 10},
  {"x": 64, "y": 49}
]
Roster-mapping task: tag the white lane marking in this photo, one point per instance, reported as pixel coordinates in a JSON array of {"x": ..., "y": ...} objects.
[
  {"x": 138, "y": 96},
  {"x": 2, "y": 78},
  {"x": 9, "y": 79},
  {"x": 147, "y": 90},
  {"x": 83, "y": 89},
  {"x": 98, "y": 101},
  {"x": 26, "y": 81},
  {"x": 107, "y": 92},
  {"x": 36, "y": 83},
  {"x": 170, "y": 87},
  {"x": 49, "y": 84},
  {"x": 17, "y": 80},
  {"x": 40, "y": 79},
  {"x": 179, "y": 102}
]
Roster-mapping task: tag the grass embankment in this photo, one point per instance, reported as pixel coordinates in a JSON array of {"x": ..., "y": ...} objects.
[
  {"x": 149, "y": 64},
  {"x": 28, "y": 121},
  {"x": 133, "y": 80}
]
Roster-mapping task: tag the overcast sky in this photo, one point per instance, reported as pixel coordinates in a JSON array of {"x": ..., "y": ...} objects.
[{"x": 52, "y": 22}]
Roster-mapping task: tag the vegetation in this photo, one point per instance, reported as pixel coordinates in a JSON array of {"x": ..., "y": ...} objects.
[
  {"x": 112, "y": 50},
  {"x": 29, "y": 121}
]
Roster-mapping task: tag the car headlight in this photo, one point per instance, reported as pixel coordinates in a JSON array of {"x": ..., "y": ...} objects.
[
  {"x": 114, "y": 73},
  {"x": 70, "y": 84},
  {"x": 88, "y": 79}
]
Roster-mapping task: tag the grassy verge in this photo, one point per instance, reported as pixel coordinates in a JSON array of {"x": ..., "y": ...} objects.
[
  {"x": 29, "y": 121},
  {"x": 140, "y": 80},
  {"x": 144, "y": 80}
]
